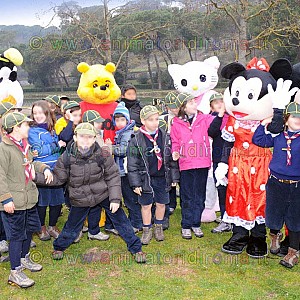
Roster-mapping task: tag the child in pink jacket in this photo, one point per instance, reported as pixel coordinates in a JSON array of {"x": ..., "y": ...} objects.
[{"x": 190, "y": 133}]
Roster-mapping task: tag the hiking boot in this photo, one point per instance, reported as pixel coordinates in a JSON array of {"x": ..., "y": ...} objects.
[
  {"x": 44, "y": 235},
  {"x": 140, "y": 257},
  {"x": 236, "y": 244},
  {"x": 147, "y": 235},
  {"x": 53, "y": 231},
  {"x": 20, "y": 279},
  {"x": 159, "y": 232},
  {"x": 32, "y": 244},
  {"x": 291, "y": 259},
  {"x": 113, "y": 231},
  {"x": 28, "y": 264},
  {"x": 186, "y": 233},
  {"x": 99, "y": 236},
  {"x": 257, "y": 247},
  {"x": 57, "y": 255},
  {"x": 275, "y": 242},
  {"x": 4, "y": 258},
  {"x": 3, "y": 246},
  {"x": 198, "y": 232},
  {"x": 85, "y": 229},
  {"x": 77, "y": 240},
  {"x": 222, "y": 227},
  {"x": 171, "y": 210}
]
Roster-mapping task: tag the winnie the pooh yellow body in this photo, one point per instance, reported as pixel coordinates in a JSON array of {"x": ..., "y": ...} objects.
[{"x": 99, "y": 91}]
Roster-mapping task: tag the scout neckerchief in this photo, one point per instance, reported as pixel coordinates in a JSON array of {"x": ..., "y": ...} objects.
[
  {"x": 156, "y": 149},
  {"x": 288, "y": 149},
  {"x": 23, "y": 146}
]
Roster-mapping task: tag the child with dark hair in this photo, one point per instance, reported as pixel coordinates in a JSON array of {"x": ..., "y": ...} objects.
[
  {"x": 45, "y": 142},
  {"x": 129, "y": 97}
]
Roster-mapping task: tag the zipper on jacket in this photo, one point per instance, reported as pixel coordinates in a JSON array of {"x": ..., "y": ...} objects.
[{"x": 147, "y": 170}]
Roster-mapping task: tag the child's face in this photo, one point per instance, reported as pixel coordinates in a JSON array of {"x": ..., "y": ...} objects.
[
  {"x": 76, "y": 116},
  {"x": 151, "y": 123},
  {"x": 98, "y": 126},
  {"x": 22, "y": 130},
  {"x": 174, "y": 111},
  {"x": 63, "y": 102},
  {"x": 84, "y": 141},
  {"x": 39, "y": 115},
  {"x": 216, "y": 105},
  {"x": 293, "y": 123},
  {"x": 130, "y": 94},
  {"x": 121, "y": 122},
  {"x": 191, "y": 107}
]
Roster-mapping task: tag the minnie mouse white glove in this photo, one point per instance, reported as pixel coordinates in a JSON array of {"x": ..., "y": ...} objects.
[{"x": 220, "y": 173}]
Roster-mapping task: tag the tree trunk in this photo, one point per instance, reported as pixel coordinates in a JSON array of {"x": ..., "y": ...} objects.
[
  {"x": 64, "y": 78},
  {"x": 107, "y": 32},
  {"x": 150, "y": 71},
  {"x": 242, "y": 42},
  {"x": 158, "y": 72},
  {"x": 126, "y": 69}
]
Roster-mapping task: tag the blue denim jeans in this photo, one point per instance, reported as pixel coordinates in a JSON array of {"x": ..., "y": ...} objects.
[
  {"x": 76, "y": 219},
  {"x": 192, "y": 196}
]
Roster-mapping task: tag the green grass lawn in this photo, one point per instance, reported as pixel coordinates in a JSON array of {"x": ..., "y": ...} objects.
[{"x": 176, "y": 269}]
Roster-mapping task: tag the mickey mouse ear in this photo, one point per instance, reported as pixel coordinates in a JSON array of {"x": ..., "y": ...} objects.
[
  {"x": 281, "y": 68},
  {"x": 232, "y": 69}
]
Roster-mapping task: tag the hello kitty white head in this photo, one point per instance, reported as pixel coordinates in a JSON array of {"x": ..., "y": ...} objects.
[{"x": 195, "y": 77}]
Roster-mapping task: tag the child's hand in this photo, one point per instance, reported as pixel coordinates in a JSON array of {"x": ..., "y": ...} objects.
[
  {"x": 48, "y": 176},
  {"x": 108, "y": 142},
  {"x": 175, "y": 155},
  {"x": 33, "y": 172},
  {"x": 138, "y": 190},
  {"x": 62, "y": 144},
  {"x": 9, "y": 207},
  {"x": 114, "y": 207}
]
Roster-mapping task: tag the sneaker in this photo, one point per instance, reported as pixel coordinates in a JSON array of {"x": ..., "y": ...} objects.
[
  {"x": 3, "y": 246},
  {"x": 99, "y": 236},
  {"x": 218, "y": 220},
  {"x": 57, "y": 255},
  {"x": 20, "y": 279},
  {"x": 53, "y": 231},
  {"x": 171, "y": 211},
  {"x": 85, "y": 229},
  {"x": 198, "y": 232},
  {"x": 147, "y": 235},
  {"x": 275, "y": 242},
  {"x": 186, "y": 234},
  {"x": 4, "y": 258},
  {"x": 140, "y": 257},
  {"x": 44, "y": 235},
  {"x": 32, "y": 244},
  {"x": 77, "y": 240},
  {"x": 158, "y": 232},
  {"x": 291, "y": 259},
  {"x": 28, "y": 264},
  {"x": 113, "y": 231},
  {"x": 222, "y": 227}
]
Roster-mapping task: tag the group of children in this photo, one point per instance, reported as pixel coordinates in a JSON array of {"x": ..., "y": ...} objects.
[{"x": 59, "y": 156}]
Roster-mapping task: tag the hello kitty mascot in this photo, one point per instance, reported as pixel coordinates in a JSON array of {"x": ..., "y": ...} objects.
[{"x": 199, "y": 78}]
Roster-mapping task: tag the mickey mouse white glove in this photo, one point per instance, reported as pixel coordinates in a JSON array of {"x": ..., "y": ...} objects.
[
  {"x": 220, "y": 173},
  {"x": 281, "y": 97}
]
